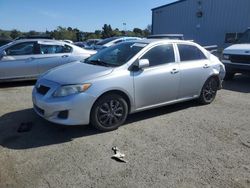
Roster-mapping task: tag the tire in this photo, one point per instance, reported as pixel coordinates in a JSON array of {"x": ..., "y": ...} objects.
[
  {"x": 209, "y": 91},
  {"x": 229, "y": 76},
  {"x": 109, "y": 112}
]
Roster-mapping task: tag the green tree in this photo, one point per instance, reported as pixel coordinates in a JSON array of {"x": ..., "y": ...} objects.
[
  {"x": 138, "y": 32},
  {"x": 15, "y": 33},
  {"x": 117, "y": 32},
  {"x": 107, "y": 31},
  {"x": 32, "y": 32}
]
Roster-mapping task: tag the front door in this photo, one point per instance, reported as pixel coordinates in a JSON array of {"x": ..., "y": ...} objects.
[{"x": 159, "y": 82}]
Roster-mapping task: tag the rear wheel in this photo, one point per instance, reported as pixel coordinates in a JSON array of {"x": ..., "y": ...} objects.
[
  {"x": 209, "y": 91},
  {"x": 109, "y": 112}
]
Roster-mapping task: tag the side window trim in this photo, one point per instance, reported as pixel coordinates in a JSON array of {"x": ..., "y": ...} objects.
[
  {"x": 177, "y": 54},
  {"x": 161, "y": 44}
]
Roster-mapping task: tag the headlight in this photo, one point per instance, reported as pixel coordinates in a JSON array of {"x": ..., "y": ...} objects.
[
  {"x": 226, "y": 57},
  {"x": 70, "y": 90}
]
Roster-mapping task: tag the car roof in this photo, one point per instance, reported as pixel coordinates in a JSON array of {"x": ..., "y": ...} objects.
[
  {"x": 150, "y": 41},
  {"x": 41, "y": 41}
]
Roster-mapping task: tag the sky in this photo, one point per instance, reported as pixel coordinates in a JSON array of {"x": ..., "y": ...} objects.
[{"x": 86, "y": 15}]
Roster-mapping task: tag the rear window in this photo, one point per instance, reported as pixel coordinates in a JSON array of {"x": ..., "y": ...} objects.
[{"x": 190, "y": 53}]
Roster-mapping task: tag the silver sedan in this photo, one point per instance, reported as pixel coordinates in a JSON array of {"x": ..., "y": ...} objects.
[
  {"x": 27, "y": 59},
  {"x": 127, "y": 78}
]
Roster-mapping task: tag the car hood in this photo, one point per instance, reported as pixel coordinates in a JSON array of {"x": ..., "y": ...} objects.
[
  {"x": 238, "y": 49},
  {"x": 76, "y": 72}
]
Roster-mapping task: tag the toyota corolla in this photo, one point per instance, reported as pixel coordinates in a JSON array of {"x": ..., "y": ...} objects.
[{"x": 127, "y": 78}]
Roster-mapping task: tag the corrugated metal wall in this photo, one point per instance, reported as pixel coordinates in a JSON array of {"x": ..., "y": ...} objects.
[{"x": 219, "y": 17}]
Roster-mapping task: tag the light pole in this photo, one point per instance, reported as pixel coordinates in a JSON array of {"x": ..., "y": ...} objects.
[{"x": 124, "y": 26}]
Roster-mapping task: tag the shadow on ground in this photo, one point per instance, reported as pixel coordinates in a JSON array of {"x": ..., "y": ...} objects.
[
  {"x": 17, "y": 84},
  {"x": 43, "y": 133},
  {"x": 240, "y": 83}
]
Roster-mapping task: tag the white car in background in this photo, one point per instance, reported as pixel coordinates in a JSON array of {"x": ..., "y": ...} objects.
[
  {"x": 112, "y": 41},
  {"x": 236, "y": 58},
  {"x": 28, "y": 58}
]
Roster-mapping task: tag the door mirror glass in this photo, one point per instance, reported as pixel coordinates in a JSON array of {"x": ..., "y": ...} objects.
[{"x": 143, "y": 63}]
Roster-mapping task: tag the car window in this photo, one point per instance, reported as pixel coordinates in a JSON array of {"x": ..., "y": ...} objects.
[
  {"x": 190, "y": 53},
  {"x": 54, "y": 49},
  {"x": 116, "y": 55},
  {"x": 116, "y": 42},
  {"x": 107, "y": 40},
  {"x": 160, "y": 55},
  {"x": 24, "y": 48}
]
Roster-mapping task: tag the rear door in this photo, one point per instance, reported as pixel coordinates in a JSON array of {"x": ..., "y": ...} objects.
[
  {"x": 19, "y": 61},
  {"x": 194, "y": 68},
  {"x": 53, "y": 55}
]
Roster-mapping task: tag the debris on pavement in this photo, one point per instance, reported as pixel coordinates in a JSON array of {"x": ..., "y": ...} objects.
[
  {"x": 118, "y": 155},
  {"x": 25, "y": 127},
  {"x": 245, "y": 143}
]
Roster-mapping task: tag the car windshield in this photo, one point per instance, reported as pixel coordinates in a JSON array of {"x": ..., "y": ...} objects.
[
  {"x": 105, "y": 41},
  {"x": 245, "y": 39},
  {"x": 116, "y": 55}
]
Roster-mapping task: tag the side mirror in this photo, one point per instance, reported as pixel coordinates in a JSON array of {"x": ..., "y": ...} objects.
[
  {"x": 2, "y": 54},
  {"x": 139, "y": 64},
  {"x": 143, "y": 63}
]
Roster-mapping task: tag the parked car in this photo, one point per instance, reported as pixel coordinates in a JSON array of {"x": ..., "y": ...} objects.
[
  {"x": 127, "y": 78},
  {"x": 81, "y": 44},
  {"x": 112, "y": 41},
  {"x": 4, "y": 41},
  {"x": 167, "y": 36},
  {"x": 27, "y": 59},
  {"x": 236, "y": 58},
  {"x": 89, "y": 44}
]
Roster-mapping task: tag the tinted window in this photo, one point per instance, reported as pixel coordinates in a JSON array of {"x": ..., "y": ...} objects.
[
  {"x": 54, "y": 49},
  {"x": 24, "y": 48},
  {"x": 160, "y": 55},
  {"x": 190, "y": 53}
]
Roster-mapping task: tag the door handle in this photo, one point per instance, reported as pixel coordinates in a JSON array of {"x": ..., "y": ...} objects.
[
  {"x": 206, "y": 66},
  {"x": 64, "y": 56},
  {"x": 174, "y": 71}
]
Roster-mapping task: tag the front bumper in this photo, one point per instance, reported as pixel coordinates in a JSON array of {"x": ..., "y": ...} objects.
[
  {"x": 236, "y": 67},
  {"x": 77, "y": 106}
]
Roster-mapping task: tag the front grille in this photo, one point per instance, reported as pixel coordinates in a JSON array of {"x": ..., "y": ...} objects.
[
  {"x": 240, "y": 59},
  {"x": 39, "y": 110},
  {"x": 42, "y": 89}
]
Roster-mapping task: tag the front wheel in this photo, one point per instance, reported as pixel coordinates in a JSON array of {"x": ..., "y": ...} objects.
[
  {"x": 109, "y": 112},
  {"x": 209, "y": 91}
]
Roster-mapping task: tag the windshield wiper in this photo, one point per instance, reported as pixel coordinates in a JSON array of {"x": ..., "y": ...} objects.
[{"x": 99, "y": 62}]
